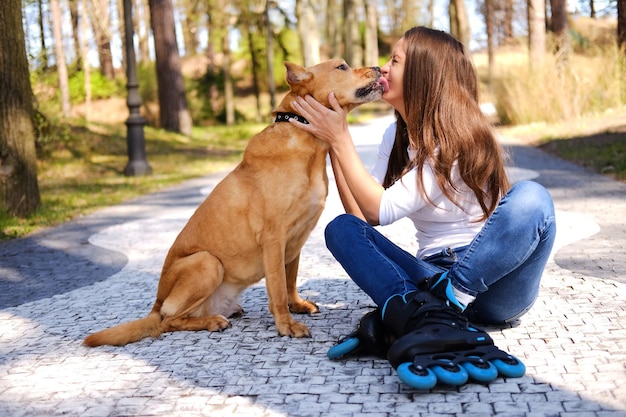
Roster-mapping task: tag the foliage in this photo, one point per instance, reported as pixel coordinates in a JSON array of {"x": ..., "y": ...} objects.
[
  {"x": 46, "y": 87},
  {"x": 101, "y": 86},
  {"x": 148, "y": 85}
]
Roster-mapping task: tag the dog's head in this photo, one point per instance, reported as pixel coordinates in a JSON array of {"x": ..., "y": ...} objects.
[{"x": 352, "y": 86}]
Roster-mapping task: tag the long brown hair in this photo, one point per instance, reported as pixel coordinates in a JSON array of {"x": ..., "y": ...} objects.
[{"x": 446, "y": 123}]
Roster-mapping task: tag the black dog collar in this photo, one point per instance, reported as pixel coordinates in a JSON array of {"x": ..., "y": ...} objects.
[{"x": 285, "y": 117}]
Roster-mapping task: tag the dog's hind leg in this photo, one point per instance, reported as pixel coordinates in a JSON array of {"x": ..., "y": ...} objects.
[
  {"x": 296, "y": 303},
  {"x": 198, "y": 276}
]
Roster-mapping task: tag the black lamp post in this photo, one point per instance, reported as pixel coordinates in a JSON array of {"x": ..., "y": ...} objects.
[{"x": 137, "y": 162}]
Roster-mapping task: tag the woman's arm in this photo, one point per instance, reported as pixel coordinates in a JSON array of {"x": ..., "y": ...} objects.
[
  {"x": 347, "y": 199},
  {"x": 331, "y": 126}
]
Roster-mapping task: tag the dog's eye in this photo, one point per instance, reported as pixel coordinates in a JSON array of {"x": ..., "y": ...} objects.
[{"x": 343, "y": 67}]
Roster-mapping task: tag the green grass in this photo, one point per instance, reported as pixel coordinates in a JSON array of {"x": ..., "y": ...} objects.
[
  {"x": 81, "y": 168},
  {"x": 604, "y": 153}
]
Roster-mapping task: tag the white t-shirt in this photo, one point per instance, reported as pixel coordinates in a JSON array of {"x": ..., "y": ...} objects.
[{"x": 444, "y": 226}]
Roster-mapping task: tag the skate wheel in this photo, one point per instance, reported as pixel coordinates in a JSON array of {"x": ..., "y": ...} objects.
[
  {"x": 422, "y": 378},
  {"x": 481, "y": 372},
  {"x": 450, "y": 374},
  {"x": 343, "y": 348},
  {"x": 510, "y": 368}
]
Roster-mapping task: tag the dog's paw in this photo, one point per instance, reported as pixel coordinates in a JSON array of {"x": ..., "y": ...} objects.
[
  {"x": 217, "y": 323},
  {"x": 294, "y": 329},
  {"x": 304, "y": 307}
]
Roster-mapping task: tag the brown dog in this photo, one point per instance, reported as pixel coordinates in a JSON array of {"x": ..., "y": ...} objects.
[{"x": 254, "y": 223}]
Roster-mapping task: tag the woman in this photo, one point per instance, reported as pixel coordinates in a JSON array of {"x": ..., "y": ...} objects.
[{"x": 483, "y": 244}]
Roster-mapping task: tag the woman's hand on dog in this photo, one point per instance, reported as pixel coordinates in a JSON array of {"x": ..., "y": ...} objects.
[{"x": 328, "y": 125}]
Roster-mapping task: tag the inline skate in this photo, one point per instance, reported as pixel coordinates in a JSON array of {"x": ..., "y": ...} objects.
[
  {"x": 434, "y": 344},
  {"x": 370, "y": 338}
]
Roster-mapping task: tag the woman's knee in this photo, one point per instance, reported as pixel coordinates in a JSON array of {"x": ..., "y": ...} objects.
[
  {"x": 529, "y": 197},
  {"x": 340, "y": 229}
]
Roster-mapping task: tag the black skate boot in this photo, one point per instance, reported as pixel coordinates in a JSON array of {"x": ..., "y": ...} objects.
[
  {"x": 370, "y": 338},
  {"x": 436, "y": 344}
]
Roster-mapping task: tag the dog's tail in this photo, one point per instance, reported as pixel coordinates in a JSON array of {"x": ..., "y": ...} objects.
[{"x": 125, "y": 333}]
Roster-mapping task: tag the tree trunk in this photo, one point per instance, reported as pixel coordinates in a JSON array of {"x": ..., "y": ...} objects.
[
  {"x": 64, "y": 85},
  {"x": 560, "y": 28},
  {"x": 190, "y": 26},
  {"x": 100, "y": 19},
  {"x": 351, "y": 39},
  {"x": 256, "y": 66},
  {"x": 621, "y": 42},
  {"x": 490, "y": 42},
  {"x": 119, "y": 4},
  {"x": 173, "y": 111},
  {"x": 215, "y": 23},
  {"x": 44, "y": 50},
  {"x": 19, "y": 190},
  {"x": 333, "y": 29},
  {"x": 73, "y": 4},
  {"x": 306, "y": 17},
  {"x": 229, "y": 93},
  {"x": 269, "y": 42},
  {"x": 536, "y": 31},
  {"x": 84, "y": 51},
  {"x": 141, "y": 21},
  {"x": 459, "y": 22},
  {"x": 621, "y": 27},
  {"x": 371, "y": 34},
  {"x": 409, "y": 13},
  {"x": 508, "y": 20}
]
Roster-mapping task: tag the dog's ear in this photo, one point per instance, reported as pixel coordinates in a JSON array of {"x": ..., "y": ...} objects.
[{"x": 295, "y": 73}]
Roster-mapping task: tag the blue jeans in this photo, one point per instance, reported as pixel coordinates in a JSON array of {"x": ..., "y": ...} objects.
[{"x": 502, "y": 266}]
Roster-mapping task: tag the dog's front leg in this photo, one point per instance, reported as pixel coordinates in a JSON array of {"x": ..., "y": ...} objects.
[
  {"x": 276, "y": 283},
  {"x": 296, "y": 303}
]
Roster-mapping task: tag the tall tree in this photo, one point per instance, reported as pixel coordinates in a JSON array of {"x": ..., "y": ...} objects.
[
  {"x": 64, "y": 85},
  {"x": 173, "y": 110},
  {"x": 19, "y": 190},
  {"x": 371, "y": 33},
  {"x": 42, "y": 33},
  {"x": 306, "y": 17},
  {"x": 269, "y": 56},
  {"x": 73, "y": 4},
  {"x": 229, "y": 90},
  {"x": 101, "y": 21},
  {"x": 333, "y": 29},
  {"x": 507, "y": 31},
  {"x": 560, "y": 28},
  {"x": 141, "y": 22},
  {"x": 459, "y": 22},
  {"x": 352, "y": 51},
  {"x": 84, "y": 52},
  {"x": 409, "y": 13},
  {"x": 621, "y": 27},
  {"x": 189, "y": 24},
  {"x": 536, "y": 31},
  {"x": 489, "y": 20}
]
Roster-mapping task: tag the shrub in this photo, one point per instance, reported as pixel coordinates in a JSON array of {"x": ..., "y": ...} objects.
[{"x": 526, "y": 94}]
